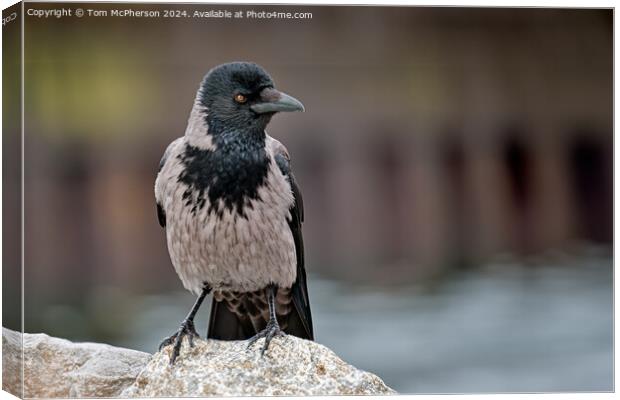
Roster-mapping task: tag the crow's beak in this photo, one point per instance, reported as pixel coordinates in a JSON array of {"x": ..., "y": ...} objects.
[{"x": 274, "y": 101}]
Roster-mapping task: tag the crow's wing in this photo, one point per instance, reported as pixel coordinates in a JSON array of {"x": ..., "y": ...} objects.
[
  {"x": 300, "y": 318},
  {"x": 161, "y": 213}
]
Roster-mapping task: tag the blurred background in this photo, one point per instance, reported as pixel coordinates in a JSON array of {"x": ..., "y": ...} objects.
[{"x": 456, "y": 167}]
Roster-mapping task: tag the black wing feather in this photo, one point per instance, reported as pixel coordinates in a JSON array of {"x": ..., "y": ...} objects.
[
  {"x": 300, "y": 319},
  {"x": 161, "y": 214}
]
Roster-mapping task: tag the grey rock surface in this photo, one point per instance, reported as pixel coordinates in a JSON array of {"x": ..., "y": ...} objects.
[
  {"x": 59, "y": 368},
  {"x": 12, "y": 362},
  {"x": 291, "y": 366}
]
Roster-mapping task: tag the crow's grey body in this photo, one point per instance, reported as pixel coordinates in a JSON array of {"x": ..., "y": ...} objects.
[
  {"x": 232, "y": 252},
  {"x": 232, "y": 211}
]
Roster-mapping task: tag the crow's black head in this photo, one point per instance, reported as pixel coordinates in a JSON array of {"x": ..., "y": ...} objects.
[{"x": 240, "y": 96}]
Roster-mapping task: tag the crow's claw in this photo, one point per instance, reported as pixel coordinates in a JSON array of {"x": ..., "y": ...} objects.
[
  {"x": 271, "y": 330},
  {"x": 187, "y": 329},
  {"x": 167, "y": 341}
]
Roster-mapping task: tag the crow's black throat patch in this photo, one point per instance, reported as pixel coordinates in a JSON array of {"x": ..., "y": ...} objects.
[{"x": 232, "y": 172}]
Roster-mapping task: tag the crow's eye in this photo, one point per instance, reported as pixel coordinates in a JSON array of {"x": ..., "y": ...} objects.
[{"x": 240, "y": 98}]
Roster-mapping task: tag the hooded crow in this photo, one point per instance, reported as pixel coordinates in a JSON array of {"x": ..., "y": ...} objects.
[{"x": 232, "y": 212}]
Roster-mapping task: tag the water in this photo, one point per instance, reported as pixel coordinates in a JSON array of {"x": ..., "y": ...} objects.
[{"x": 503, "y": 328}]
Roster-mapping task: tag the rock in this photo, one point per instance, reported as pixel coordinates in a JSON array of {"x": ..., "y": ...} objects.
[
  {"x": 12, "y": 362},
  {"x": 59, "y": 368},
  {"x": 290, "y": 367}
]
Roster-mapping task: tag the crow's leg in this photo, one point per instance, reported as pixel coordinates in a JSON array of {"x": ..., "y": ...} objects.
[
  {"x": 186, "y": 329},
  {"x": 272, "y": 329}
]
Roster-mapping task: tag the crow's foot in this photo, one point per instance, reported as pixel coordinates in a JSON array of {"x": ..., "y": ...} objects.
[
  {"x": 187, "y": 329},
  {"x": 271, "y": 330}
]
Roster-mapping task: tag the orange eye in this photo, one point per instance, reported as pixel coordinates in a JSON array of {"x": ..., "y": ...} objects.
[{"x": 240, "y": 98}]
